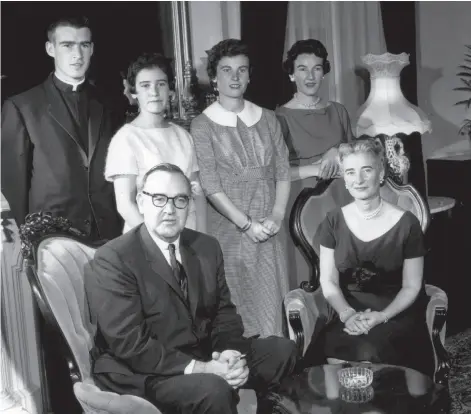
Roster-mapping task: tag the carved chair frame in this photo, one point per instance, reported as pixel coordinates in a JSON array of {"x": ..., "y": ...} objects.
[{"x": 39, "y": 227}]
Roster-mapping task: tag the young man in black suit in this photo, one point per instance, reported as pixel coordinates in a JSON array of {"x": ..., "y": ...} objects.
[
  {"x": 55, "y": 137},
  {"x": 167, "y": 329}
]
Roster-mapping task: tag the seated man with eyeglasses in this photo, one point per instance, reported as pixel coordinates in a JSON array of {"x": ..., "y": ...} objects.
[{"x": 166, "y": 327}]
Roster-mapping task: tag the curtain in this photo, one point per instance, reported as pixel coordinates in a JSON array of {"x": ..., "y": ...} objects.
[
  {"x": 266, "y": 49},
  {"x": 348, "y": 30}
]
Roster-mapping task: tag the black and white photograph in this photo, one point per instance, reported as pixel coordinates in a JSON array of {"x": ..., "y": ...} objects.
[{"x": 235, "y": 207}]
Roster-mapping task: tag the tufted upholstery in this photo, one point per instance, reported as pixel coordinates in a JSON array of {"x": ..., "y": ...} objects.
[
  {"x": 60, "y": 268},
  {"x": 308, "y": 212}
]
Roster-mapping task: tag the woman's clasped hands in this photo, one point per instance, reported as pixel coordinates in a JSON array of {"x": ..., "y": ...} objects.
[
  {"x": 267, "y": 227},
  {"x": 362, "y": 322}
]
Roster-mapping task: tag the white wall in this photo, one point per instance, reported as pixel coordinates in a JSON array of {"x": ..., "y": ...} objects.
[{"x": 443, "y": 30}]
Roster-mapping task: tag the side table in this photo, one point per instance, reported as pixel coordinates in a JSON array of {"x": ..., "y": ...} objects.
[{"x": 440, "y": 204}]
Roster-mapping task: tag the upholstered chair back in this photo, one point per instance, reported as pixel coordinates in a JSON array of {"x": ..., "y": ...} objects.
[
  {"x": 56, "y": 258},
  {"x": 60, "y": 268}
]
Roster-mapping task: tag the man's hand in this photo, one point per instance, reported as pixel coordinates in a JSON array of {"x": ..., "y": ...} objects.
[
  {"x": 216, "y": 367},
  {"x": 329, "y": 167},
  {"x": 237, "y": 367}
]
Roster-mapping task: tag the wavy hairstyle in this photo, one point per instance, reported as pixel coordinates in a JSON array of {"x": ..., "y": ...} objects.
[
  {"x": 148, "y": 61},
  {"x": 371, "y": 146},
  {"x": 225, "y": 48},
  {"x": 307, "y": 46}
]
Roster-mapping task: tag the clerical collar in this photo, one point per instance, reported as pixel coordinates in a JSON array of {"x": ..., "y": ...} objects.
[
  {"x": 67, "y": 86},
  {"x": 250, "y": 115}
]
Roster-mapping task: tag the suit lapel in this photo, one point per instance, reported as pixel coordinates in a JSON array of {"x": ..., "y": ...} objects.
[
  {"x": 94, "y": 123},
  {"x": 59, "y": 112},
  {"x": 192, "y": 266},
  {"x": 158, "y": 262}
]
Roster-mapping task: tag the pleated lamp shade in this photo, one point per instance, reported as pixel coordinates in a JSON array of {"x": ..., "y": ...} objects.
[{"x": 386, "y": 111}]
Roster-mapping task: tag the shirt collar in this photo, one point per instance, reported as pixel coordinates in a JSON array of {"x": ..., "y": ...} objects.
[
  {"x": 163, "y": 245},
  {"x": 65, "y": 85},
  {"x": 250, "y": 115}
]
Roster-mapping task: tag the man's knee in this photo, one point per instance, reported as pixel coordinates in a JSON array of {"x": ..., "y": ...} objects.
[
  {"x": 278, "y": 357},
  {"x": 215, "y": 395},
  {"x": 284, "y": 349}
]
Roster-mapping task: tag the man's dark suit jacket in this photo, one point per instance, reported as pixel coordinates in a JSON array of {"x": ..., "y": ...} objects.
[
  {"x": 44, "y": 167},
  {"x": 144, "y": 325}
]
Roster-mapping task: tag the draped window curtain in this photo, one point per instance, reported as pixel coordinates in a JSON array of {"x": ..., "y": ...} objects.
[{"x": 348, "y": 30}]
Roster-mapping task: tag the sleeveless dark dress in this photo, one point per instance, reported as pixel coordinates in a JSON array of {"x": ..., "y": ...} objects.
[{"x": 370, "y": 276}]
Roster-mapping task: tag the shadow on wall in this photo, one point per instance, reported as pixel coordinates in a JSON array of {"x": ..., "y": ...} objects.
[{"x": 438, "y": 102}]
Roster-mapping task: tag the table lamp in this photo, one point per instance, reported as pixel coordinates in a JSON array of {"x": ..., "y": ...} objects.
[{"x": 389, "y": 115}]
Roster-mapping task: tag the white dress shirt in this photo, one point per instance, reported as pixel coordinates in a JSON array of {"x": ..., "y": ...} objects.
[{"x": 163, "y": 246}]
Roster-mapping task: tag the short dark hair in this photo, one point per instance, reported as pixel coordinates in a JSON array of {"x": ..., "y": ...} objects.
[
  {"x": 308, "y": 46},
  {"x": 149, "y": 60},
  {"x": 225, "y": 48},
  {"x": 77, "y": 22},
  {"x": 166, "y": 167}
]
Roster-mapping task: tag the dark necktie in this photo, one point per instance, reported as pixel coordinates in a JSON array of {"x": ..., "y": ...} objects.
[{"x": 178, "y": 272}]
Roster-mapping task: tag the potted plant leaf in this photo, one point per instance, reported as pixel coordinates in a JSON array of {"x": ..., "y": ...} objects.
[{"x": 465, "y": 76}]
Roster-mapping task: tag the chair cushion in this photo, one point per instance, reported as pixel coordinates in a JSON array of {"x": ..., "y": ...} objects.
[{"x": 60, "y": 268}]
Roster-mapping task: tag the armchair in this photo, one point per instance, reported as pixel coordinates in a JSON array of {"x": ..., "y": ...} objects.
[
  {"x": 55, "y": 258},
  {"x": 308, "y": 211}
]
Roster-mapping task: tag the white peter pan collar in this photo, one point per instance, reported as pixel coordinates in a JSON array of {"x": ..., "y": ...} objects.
[{"x": 250, "y": 115}]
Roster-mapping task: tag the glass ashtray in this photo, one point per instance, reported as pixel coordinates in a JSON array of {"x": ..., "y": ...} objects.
[
  {"x": 358, "y": 395},
  {"x": 355, "y": 377}
]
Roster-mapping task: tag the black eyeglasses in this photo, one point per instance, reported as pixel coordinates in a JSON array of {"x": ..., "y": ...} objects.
[{"x": 161, "y": 200}]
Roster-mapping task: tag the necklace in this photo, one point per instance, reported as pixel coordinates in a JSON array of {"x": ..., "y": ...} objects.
[
  {"x": 311, "y": 105},
  {"x": 371, "y": 214}
]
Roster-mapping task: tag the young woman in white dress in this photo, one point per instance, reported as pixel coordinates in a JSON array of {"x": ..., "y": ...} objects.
[{"x": 150, "y": 139}]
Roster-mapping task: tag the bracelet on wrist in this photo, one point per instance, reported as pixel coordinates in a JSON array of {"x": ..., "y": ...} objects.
[
  {"x": 246, "y": 226},
  {"x": 346, "y": 313}
]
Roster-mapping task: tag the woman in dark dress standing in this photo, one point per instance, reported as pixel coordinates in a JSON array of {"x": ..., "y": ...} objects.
[
  {"x": 312, "y": 129},
  {"x": 371, "y": 271}
]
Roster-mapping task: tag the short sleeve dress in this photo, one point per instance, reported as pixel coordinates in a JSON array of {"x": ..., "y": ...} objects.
[
  {"x": 309, "y": 133},
  {"x": 370, "y": 276},
  {"x": 134, "y": 150},
  {"x": 244, "y": 155}
]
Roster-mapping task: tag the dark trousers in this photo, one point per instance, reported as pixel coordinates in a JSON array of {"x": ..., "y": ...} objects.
[{"x": 271, "y": 360}]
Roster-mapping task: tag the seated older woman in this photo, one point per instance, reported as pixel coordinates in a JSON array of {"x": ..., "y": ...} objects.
[{"x": 371, "y": 268}]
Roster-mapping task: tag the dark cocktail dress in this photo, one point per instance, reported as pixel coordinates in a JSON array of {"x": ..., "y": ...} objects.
[{"x": 370, "y": 276}]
